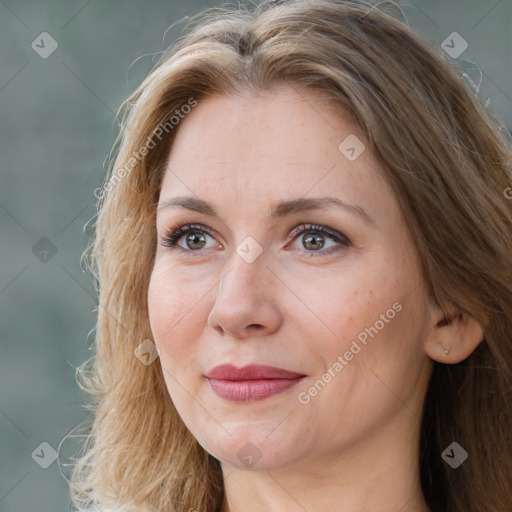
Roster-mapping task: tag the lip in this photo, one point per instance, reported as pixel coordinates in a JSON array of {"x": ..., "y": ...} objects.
[{"x": 250, "y": 383}]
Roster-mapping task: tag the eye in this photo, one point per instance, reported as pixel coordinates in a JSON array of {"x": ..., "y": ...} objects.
[
  {"x": 193, "y": 236},
  {"x": 313, "y": 237}
]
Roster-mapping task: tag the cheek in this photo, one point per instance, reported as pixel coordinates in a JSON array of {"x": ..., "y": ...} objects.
[
  {"x": 172, "y": 313},
  {"x": 380, "y": 341},
  {"x": 374, "y": 356},
  {"x": 371, "y": 319},
  {"x": 341, "y": 306}
]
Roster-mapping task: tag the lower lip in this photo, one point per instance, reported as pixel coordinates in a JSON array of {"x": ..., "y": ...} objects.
[{"x": 250, "y": 390}]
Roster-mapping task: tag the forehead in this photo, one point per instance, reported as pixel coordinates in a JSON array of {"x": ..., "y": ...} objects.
[{"x": 282, "y": 144}]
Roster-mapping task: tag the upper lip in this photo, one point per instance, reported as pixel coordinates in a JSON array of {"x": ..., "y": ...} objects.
[{"x": 250, "y": 372}]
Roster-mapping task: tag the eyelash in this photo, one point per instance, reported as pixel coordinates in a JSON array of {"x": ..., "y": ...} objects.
[{"x": 175, "y": 233}]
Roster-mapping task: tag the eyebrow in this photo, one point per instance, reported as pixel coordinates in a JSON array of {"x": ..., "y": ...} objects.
[{"x": 278, "y": 210}]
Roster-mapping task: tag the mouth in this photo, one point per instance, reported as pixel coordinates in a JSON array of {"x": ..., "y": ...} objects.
[{"x": 250, "y": 383}]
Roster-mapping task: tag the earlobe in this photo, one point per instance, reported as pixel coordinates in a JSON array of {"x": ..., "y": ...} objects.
[{"x": 453, "y": 337}]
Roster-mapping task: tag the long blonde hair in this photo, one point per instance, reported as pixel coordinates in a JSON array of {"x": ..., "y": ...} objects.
[{"x": 447, "y": 159}]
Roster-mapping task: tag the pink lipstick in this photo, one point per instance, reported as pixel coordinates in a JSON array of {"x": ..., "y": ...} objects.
[{"x": 250, "y": 383}]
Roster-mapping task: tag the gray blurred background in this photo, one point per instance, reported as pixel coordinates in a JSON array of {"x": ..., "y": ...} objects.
[{"x": 65, "y": 67}]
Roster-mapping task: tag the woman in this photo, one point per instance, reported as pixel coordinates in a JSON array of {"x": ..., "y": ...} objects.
[{"x": 304, "y": 260}]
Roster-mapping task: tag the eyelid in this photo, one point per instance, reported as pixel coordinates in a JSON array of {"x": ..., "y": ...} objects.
[{"x": 304, "y": 227}]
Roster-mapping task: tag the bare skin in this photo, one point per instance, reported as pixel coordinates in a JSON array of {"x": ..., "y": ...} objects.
[{"x": 352, "y": 445}]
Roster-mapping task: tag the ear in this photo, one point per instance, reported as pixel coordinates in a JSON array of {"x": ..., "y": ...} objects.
[{"x": 456, "y": 331}]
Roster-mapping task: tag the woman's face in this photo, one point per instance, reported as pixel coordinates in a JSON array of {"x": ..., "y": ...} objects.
[{"x": 345, "y": 309}]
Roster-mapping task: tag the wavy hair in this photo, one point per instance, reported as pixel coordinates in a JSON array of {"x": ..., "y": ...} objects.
[{"x": 447, "y": 158}]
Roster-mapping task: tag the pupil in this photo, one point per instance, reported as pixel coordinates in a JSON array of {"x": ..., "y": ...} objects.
[
  {"x": 312, "y": 239},
  {"x": 193, "y": 239}
]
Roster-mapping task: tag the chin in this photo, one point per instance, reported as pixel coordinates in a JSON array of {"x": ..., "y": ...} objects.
[{"x": 251, "y": 451}]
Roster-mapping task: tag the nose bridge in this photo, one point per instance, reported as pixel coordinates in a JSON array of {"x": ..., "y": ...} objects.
[
  {"x": 245, "y": 275},
  {"x": 244, "y": 297}
]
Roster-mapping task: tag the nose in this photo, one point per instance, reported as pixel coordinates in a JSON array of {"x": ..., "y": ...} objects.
[{"x": 245, "y": 303}]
